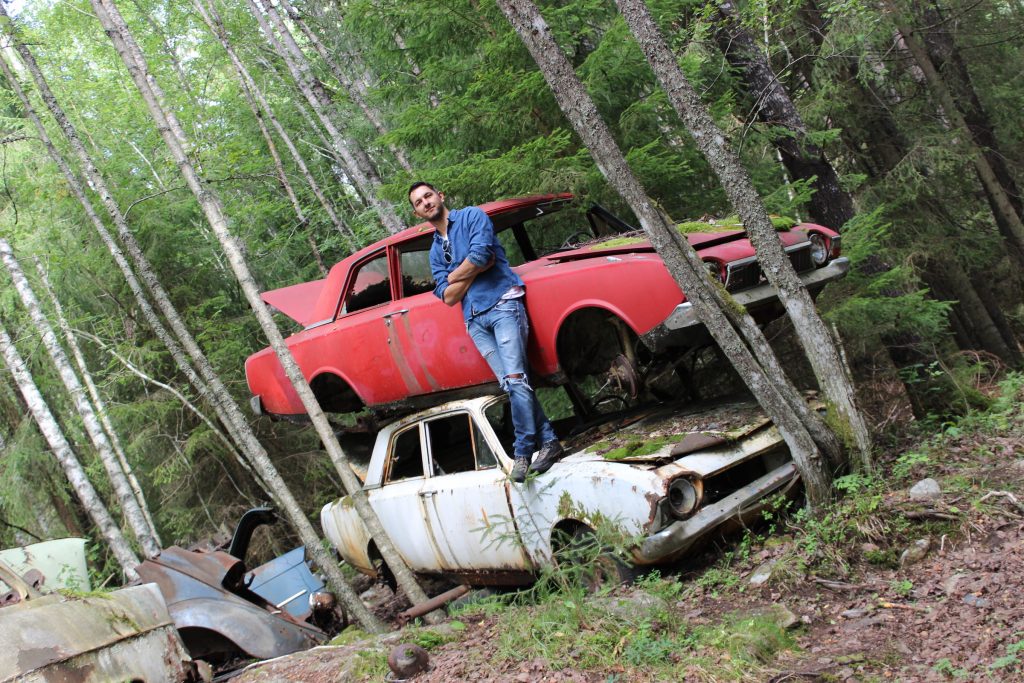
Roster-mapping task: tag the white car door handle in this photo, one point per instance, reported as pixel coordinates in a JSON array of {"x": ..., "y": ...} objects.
[{"x": 427, "y": 494}]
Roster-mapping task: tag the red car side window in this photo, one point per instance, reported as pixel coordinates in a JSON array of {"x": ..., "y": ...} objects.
[
  {"x": 371, "y": 286},
  {"x": 414, "y": 261}
]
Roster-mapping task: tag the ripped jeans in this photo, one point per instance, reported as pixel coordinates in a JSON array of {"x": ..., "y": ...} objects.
[{"x": 500, "y": 335}]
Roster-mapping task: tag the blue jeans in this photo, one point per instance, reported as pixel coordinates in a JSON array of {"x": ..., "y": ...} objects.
[{"x": 500, "y": 335}]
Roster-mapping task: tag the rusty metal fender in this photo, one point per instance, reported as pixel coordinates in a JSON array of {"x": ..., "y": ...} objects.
[
  {"x": 253, "y": 630},
  {"x": 118, "y": 636}
]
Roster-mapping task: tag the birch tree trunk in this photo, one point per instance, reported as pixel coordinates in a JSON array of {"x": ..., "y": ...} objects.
[
  {"x": 252, "y": 92},
  {"x": 212, "y": 208},
  {"x": 218, "y": 395},
  {"x": 680, "y": 258},
  {"x": 1002, "y": 206},
  {"x": 282, "y": 176},
  {"x": 356, "y": 94},
  {"x": 215, "y": 393},
  {"x": 97, "y": 400},
  {"x": 830, "y": 204},
  {"x": 313, "y": 90},
  {"x": 61, "y": 449},
  {"x": 122, "y": 489},
  {"x": 818, "y": 345}
]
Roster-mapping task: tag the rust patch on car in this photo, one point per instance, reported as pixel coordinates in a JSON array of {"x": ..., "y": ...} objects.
[{"x": 693, "y": 442}]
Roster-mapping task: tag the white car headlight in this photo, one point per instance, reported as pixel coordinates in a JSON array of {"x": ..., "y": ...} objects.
[
  {"x": 682, "y": 497},
  {"x": 819, "y": 250}
]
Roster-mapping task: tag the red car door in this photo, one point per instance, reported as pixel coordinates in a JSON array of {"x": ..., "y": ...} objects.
[{"x": 432, "y": 337}]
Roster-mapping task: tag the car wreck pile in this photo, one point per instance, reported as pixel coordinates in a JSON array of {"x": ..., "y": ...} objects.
[
  {"x": 604, "y": 313},
  {"x": 187, "y": 605},
  {"x": 608, "y": 323}
]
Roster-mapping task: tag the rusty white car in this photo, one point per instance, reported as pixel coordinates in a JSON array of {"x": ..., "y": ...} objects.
[{"x": 438, "y": 481}]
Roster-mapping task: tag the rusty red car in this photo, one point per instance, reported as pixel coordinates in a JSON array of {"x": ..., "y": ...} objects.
[{"x": 602, "y": 307}]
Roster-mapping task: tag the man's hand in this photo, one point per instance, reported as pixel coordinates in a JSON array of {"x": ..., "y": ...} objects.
[{"x": 456, "y": 291}]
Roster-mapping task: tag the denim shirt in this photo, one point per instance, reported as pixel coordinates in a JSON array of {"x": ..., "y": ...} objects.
[{"x": 471, "y": 235}]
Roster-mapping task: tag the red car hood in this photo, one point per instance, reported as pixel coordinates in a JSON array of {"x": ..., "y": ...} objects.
[{"x": 298, "y": 302}]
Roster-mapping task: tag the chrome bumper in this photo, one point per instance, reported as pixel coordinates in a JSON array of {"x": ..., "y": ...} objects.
[
  {"x": 684, "y": 316},
  {"x": 676, "y": 538}
]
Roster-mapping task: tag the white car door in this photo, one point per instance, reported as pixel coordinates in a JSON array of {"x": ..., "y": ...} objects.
[
  {"x": 466, "y": 499},
  {"x": 399, "y": 505}
]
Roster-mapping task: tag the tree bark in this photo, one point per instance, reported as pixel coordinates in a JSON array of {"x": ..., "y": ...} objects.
[
  {"x": 1003, "y": 210},
  {"x": 224, "y": 406},
  {"x": 122, "y": 489},
  {"x": 949, "y": 61},
  {"x": 320, "y": 101},
  {"x": 830, "y": 204},
  {"x": 356, "y": 94},
  {"x": 261, "y": 108},
  {"x": 212, "y": 208},
  {"x": 982, "y": 327},
  {"x": 61, "y": 449},
  {"x": 97, "y": 400},
  {"x": 680, "y": 258},
  {"x": 282, "y": 176},
  {"x": 821, "y": 349}
]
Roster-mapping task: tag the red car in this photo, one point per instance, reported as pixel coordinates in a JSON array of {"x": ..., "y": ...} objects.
[{"x": 601, "y": 304}]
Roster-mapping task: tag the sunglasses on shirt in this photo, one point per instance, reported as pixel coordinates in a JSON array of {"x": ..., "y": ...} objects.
[{"x": 446, "y": 250}]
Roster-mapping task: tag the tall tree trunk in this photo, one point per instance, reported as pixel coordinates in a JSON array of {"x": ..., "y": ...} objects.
[
  {"x": 97, "y": 400},
  {"x": 252, "y": 92},
  {"x": 222, "y": 401},
  {"x": 972, "y": 308},
  {"x": 821, "y": 349},
  {"x": 313, "y": 90},
  {"x": 61, "y": 449},
  {"x": 119, "y": 481},
  {"x": 212, "y": 208},
  {"x": 215, "y": 393},
  {"x": 830, "y": 204},
  {"x": 356, "y": 94},
  {"x": 949, "y": 61},
  {"x": 282, "y": 176},
  {"x": 680, "y": 258},
  {"x": 1007, "y": 218}
]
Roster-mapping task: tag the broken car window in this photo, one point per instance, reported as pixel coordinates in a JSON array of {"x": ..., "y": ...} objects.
[
  {"x": 456, "y": 446},
  {"x": 414, "y": 261},
  {"x": 406, "y": 457},
  {"x": 500, "y": 417},
  {"x": 371, "y": 286}
]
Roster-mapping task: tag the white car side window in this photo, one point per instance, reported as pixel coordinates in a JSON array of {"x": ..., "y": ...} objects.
[
  {"x": 406, "y": 457},
  {"x": 456, "y": 445}
]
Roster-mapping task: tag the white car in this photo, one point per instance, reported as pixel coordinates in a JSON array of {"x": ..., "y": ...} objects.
[{"x": 438, "y": 481}]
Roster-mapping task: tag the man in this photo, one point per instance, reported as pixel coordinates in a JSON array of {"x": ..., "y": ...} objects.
[{"x": 469, "y": 266}]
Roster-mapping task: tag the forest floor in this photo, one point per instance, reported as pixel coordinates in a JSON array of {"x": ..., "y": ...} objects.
[{"x": 891, "y": 585}]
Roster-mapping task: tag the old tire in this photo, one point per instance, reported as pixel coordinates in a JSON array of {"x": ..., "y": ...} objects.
[{"x": 579, "y": 552}]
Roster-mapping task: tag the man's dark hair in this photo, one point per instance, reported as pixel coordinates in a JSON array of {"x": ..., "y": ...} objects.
[{"x": 418, "y": 183}]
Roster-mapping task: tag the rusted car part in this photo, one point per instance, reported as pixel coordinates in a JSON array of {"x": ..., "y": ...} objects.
[
  {"x": 60, "y": 561},
  {"x": 286, "y": 581},
  {"x": 216, "y": 614},
  {"x": 431, "y": 604},
  {"x": 408, "y": 660},
  {"x": 125, "y": 635},
  {"x": 438, "y": 481}
]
